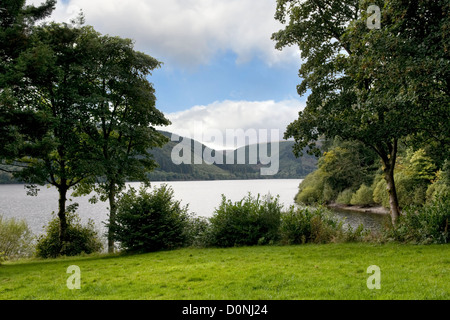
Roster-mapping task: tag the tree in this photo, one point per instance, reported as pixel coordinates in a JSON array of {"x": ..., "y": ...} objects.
[
  {"x": 122, "y": 114},
  {"x": 368, "y": 84},
  {"x": 52, "y": 89},
  {"x": 37, "y": 132},
  {"x": 91, "y": 111}
]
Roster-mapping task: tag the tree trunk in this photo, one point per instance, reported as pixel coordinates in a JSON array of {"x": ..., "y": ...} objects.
[
  {"x": 112, "y": 215},
  {"x": 62, "y": 215},
  {"x": 393, "y": 199},
  {"x": 389, "y": 166}
]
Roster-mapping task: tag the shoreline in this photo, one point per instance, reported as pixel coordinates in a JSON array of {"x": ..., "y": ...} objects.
[{"x": 377, "y": 209}]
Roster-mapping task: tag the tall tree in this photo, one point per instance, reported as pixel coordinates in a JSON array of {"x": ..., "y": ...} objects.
[
  {"x": 52, "y": 89},
  {"x": 122, "y": 115},
  {"x": 368, "y": 84}
]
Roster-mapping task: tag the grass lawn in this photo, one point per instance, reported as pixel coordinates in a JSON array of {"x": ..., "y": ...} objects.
[{"x": 330, "y": 271}]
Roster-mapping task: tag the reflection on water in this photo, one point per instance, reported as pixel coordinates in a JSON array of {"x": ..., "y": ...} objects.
[{"x": 373, "y": 221}]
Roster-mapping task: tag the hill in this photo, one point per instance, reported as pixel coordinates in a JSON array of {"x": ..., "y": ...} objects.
[{"x": 290, "y": 167}]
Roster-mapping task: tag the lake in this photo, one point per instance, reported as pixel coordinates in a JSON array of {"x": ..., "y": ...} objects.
[{"x": 201, "y": 196}]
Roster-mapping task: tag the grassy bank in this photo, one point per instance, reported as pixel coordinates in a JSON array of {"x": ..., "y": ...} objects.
[{"x": 331, "y": 271}]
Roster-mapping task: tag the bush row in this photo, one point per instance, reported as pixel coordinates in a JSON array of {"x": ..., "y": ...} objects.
[
  {"x": 144, "y": 223},
  {"x": 151, "y": 221},
  {"x": 262, "y": 220}
]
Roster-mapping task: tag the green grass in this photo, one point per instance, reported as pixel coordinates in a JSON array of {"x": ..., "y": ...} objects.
[{"x": 331, "y": 271}]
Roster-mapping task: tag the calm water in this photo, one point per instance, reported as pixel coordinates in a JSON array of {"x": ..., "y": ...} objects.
[{"x": 202, "y": 196}]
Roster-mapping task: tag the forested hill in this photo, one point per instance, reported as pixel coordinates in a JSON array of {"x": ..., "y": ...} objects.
[{"x": 290, "y": 167}]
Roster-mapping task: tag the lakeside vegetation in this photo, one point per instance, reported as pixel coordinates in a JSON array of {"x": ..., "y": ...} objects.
[
  {"x": 350, "y": 174},
  {"x": 151, "y": 220}
]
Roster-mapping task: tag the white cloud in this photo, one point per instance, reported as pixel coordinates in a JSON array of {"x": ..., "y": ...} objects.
[
  {"x": 232, "y": 116},
  {"x": 186, "y": 32}
]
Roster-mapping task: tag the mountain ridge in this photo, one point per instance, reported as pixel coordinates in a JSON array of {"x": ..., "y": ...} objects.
[{"x": 290, "y": 167}]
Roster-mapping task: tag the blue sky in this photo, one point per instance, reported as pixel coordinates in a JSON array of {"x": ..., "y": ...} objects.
[
  {"x": 224, "y": 79},
  {"x": 220, "y": 67}
]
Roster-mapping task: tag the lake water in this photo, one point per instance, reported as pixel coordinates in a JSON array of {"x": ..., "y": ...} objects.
[{"x": 202, "y": 196}]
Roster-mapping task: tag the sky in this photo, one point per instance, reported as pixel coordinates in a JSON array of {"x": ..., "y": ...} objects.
[{"x": 220, "y": 68}]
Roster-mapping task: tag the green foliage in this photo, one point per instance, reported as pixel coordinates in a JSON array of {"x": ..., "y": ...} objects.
[
  {"x": 408, "y": 191},
  {"x": 348, "y": 164},
  {"x": 16, "y": 239},
  {"x": 304, "y": 225},
  {"x": 440, "y": 185},
  {"x": 311, "y": 188},
  {"x": 422, "y": 166},
  {"x": 363, "y": 196},
  {"x": 380, "y": 194},
  {"x": 345, "y": 165},
  {"x": 249, "y": 221},
  {"x": 359, "y": 234},
  {"x": 150, "y": 221},
  {"x": 345, "y": 197},
  {"x": 328, "y": 193},
  {"x": 80, "y": 238},
  {"x": 413, "y": 174},
  {"x": 436, "y": 190},
  {"x": 424, "y": 224},
  {"x": 198, "y": 232}
]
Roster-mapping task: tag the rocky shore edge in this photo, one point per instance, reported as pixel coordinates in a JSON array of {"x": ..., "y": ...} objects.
[{"x": 365, "y": 209}]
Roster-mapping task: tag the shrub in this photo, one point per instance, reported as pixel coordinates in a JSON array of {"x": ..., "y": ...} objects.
[
  {"x": 150, "y": 221},
  {"x": 423, "y": 224},
  {"x": 440, "y": 186},
  {"x": 344, "y": 197},
  {"x": 328, "y": 194},
  {"x": 311, "y": 189},
  {"x": 363, "y": 196},
  {"x": 16, "y": 239},
  {"x": 198, "y": 232},
  {"x": 249, "y": 221},
  {"x": 358, "y": 234},
  {"x": 81, "y": 239},
  {"x": 302, "y": 225},
  {"x": 436, "y": 190},
  {"x": 309, "y": 195},
  {"x": 380, "y": 194},
  {"x": 410, "y": 191}
]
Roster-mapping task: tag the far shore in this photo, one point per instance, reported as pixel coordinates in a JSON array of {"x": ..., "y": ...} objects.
[{"x": 375, "y": 209}]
